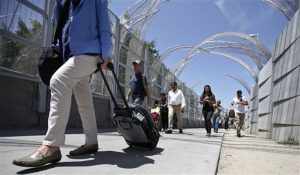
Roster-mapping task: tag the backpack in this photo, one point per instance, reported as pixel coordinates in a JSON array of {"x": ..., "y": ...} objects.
[{"x": 231, "y": 113}]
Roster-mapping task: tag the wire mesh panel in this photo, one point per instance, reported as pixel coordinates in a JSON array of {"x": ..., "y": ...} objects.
[
  {"x": 21, "y": 46},
  {"x": 24, "y": 31}
]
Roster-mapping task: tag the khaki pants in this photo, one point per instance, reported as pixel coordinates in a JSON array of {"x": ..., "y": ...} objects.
[
  {"x": 240, "y": 118},
  {"x": 72, "y": 78},
  {"x": 177, "y": 110}
]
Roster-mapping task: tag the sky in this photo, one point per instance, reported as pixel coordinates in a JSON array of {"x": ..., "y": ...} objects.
[{"x": 192, "y": 21}]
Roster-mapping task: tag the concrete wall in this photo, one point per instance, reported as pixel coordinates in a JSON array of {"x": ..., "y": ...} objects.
[
  {"x": 19, "y": 104},
  {"x": 286, "y": 92},
  {"x": 275, "y": 101},
  {"x": 254, "y": 110},
  {"x": 265, "y": 101},
  {"x": 18, "y": 98}
]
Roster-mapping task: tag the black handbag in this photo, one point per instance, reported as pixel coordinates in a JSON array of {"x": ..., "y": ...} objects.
[
  {"x": 51, "y": 58},
  {"x": 49, "y": 62}
]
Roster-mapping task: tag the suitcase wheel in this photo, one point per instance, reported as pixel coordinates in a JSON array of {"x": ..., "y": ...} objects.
[{"x": 129, "y": 144}]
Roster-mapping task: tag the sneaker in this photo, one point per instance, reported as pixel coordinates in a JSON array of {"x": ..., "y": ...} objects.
[
  {"x": 84, "y": 149},
  {"x": 168, "y": 131},
  {"x": 208, "y": 134},
  {"x": 180, "y": 131},
  {"x": 238, "y": 135}
]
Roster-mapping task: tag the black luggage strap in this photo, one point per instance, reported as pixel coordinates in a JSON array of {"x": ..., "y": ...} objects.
[{"x": 110, "y": 66}]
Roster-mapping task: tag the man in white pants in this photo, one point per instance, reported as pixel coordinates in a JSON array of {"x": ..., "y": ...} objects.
[{"x": 89, "y": 38}]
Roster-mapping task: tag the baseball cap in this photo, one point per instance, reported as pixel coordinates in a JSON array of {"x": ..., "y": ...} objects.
[{"x": 137, "y": 62}]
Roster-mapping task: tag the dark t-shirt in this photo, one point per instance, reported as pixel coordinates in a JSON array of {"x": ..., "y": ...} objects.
[
  {"x": 164, "y": 106},
  {"x": 137, "y": 85},
  {"x": 206, "y": 106}
]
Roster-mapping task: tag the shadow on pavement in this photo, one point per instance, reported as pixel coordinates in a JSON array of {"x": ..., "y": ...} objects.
[
  {"x": 37, "y": 169},
  {"x": 25, "y": 143},
  {"x": 42, "y": 131},
  {"x": 130, "y": 158}
]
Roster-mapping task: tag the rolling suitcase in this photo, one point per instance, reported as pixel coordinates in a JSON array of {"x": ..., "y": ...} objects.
[{"x": 134, "y": 122}]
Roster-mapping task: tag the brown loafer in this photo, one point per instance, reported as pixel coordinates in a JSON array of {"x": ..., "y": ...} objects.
[
  {"x": 38, "y": 159},
  {"x": 84, "y": 149}
]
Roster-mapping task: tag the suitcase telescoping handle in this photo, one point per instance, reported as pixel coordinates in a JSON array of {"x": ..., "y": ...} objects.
[{"x": 110, "y": 66}]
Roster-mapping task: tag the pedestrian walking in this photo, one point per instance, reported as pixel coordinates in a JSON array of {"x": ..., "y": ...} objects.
[
  {"x": 239, "y": 102},
  {"x": 139, "y": 88},
  {"x": 216, "y": 115},
  {"x": 226, "y": 121},
  {"x": 155, "y": 113},
  {"x": 176, "y": 104},
  {"x": 88, "y": 40},
  {"x": 207, "y": 99},
  {"x": 163, "y": 103}
]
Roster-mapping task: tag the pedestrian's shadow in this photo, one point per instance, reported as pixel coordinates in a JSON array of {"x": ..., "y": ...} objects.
[{"x": 130, "y": 158}]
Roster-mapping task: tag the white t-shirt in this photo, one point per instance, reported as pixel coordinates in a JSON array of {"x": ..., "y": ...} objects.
[
  {"x": 239, "y": 108},
  {"x": 176, "y": 98}
]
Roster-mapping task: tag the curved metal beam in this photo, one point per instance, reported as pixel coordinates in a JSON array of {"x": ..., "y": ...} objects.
[
  {"x": 138, "y": 16},
  {"x": 251, "y": 53},
  {"x": 242, "y": 82},
  {"x": 287, "y": 8},
  {"x": 172, "y": 49},
  {"x": 196, "y": 84},
  {"x": 247, "y": 52},
  {"x": 256, "y": 42},
  {"x": 180, "y": 66},
  {"x": 223, "y": 45}
]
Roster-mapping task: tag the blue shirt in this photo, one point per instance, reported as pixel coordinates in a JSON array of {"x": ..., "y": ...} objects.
[
  {"x": 137, "y": 85},
  {"x": 88, "y": 29}
]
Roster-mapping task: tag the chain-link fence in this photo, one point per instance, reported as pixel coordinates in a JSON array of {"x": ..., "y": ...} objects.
[{"x": 25, "y": 28}]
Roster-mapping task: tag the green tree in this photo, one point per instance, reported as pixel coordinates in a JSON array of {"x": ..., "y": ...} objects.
[
  {"x": 20, "y": 56},
  {"x": 23, "y": 30},
  {"x": 28, "y": 56},
  {"x": 151, "y": 46},
  {"x": 9, "y": 50}
]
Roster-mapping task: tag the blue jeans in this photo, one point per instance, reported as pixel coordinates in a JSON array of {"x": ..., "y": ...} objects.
[
  {"x": 216, "y": 119},
  {"x": 138, "y": 100}
]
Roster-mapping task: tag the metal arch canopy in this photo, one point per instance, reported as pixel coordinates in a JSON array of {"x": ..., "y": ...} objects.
[
  {"x": 137, "y": 17},
  {"x": 253, "y": 54},
  {"x": 246, "y": 51},
  {"x": 181, "y": 65},
  {"x": 287, "y": 7},
  {"x": 172, "y": 49},
  {"x": 242, "y": 82},
  {"x": 256, "y": 42}
]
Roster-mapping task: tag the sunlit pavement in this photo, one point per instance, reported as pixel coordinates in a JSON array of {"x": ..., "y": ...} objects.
[
  {"x": 189, "y": 153},
  {"x": 251, "y": 154}
]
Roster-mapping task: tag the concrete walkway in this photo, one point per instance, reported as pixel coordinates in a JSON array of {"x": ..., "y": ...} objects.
[
  {"x": 188, "y": 153},
  {"x": 250, "y": 154}
]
